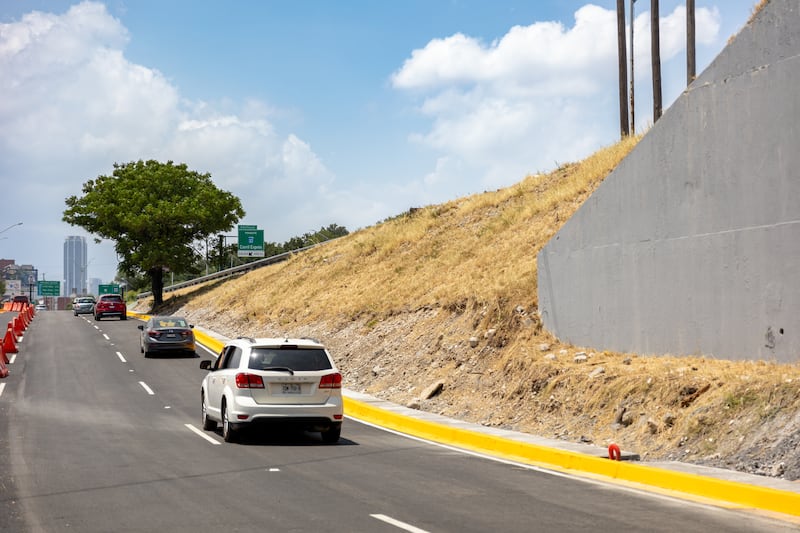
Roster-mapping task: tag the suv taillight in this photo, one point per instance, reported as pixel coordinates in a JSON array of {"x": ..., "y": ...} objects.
[
  {"x": 331, "y": 381},
  {"x": 249, "y": 381}
]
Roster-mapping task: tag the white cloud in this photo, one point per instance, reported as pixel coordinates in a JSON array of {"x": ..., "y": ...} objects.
[
  {"x": 503, "y": 108},
  {"x": 71, "y": 105}
]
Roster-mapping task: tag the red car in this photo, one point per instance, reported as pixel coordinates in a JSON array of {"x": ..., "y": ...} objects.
[{"x": 110, "y": 305}]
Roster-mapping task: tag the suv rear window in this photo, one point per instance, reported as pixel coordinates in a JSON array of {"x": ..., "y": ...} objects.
[
  {"x": 85, "y": 300},
  {"x": 299, "y": 359},
  {"x": 111, "y": 298}
]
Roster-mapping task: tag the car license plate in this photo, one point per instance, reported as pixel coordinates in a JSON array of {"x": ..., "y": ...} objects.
[{"x": 290, "y": 388}]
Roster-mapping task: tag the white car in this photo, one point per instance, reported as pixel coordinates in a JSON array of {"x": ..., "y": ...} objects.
[{"x": 272, "y": 381}]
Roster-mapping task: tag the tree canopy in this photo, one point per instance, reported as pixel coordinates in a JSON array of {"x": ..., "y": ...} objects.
[{"x": 154, "y": 212}]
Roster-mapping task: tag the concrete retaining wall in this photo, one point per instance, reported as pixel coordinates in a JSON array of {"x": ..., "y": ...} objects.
[{"x": 692, "y": 245}]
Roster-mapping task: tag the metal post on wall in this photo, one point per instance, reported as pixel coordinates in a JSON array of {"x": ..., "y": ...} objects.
[
  {"x": 623, "y": 72},
  {"x": 633, "y": 74},
  {"x": 655, "y": 56},
  {"x": 690, "y": 43}
]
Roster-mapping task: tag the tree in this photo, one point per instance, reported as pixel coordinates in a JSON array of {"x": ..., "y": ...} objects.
[{"x": 154, "y": 212}]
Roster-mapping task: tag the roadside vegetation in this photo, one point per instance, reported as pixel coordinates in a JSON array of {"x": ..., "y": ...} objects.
[{"x": 437, "y": 308}]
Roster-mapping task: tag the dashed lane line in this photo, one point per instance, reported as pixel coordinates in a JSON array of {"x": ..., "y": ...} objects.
[
  {"x": 146, "y": 388},
  {"x": 398, "y": 523},
  {"x": 202, "y": 434}
]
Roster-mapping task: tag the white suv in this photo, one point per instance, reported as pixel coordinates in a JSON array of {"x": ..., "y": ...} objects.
[{"x": 268, "y": 380}]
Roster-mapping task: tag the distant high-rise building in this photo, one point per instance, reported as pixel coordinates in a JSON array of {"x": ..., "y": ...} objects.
[
  {"x": 75, "y": 252},
  {"x": 94, "y": 286}
]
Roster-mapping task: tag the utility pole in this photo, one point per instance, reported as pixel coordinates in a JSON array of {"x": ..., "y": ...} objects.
[
  {"x": 624, "y": 131},
  {"x": 690, "y": 43},
  {"x": 655, "y": 53}
]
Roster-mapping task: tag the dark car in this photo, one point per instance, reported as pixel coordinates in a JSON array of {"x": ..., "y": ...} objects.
[
  {"x": 110, "y": 305},
  {"x": 167, "y": 334}
]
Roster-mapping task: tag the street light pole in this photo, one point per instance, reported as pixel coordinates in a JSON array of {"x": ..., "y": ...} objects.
[{"x": 11, "y": 226}]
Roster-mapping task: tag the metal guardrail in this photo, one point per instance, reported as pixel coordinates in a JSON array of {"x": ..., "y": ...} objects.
[{"x": 234, "y": 271}]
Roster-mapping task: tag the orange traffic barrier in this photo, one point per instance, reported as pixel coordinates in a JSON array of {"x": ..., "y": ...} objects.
[
  {"x": 18, "y": 327},
  {"x": 16, "y": 338},
  {"x": 9, "y": 346}
]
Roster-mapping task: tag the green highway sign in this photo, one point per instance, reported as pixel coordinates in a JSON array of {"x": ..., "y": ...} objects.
[
  {"x": 251, "y": 241},
  {"x": 108, "y": 289},
  {"x": 49, "y": 288}
]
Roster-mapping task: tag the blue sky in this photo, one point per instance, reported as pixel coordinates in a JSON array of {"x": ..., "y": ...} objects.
[{"x": 314, "y": 112}]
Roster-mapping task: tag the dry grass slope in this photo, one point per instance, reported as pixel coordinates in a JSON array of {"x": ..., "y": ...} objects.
[{"x": 448, "y": 293}]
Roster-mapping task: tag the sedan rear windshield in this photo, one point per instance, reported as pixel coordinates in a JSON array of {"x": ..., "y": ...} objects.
[{"x": 298, "y": 359}]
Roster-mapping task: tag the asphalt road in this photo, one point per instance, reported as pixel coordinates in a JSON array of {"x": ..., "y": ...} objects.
[{"x": 95, "y": 438}]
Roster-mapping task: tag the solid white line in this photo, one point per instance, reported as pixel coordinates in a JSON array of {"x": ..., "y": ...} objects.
[
  {"x": 202, "y": 434},
  {"x": 106, "y": 337},
  {"x": 2, "y": 387},
  {"x": 398, "y": 523},
  {"x": 145, "y": 387},
  {"x": 121, "y": 358}
]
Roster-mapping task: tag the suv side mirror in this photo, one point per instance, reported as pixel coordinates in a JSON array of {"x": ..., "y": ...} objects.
[
  {"x": 205, "y": 364},
  {"x": 141, "y": 327}
]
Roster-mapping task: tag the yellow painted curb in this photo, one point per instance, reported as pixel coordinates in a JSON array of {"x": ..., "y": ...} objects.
[{"x": 731, "y": 492}]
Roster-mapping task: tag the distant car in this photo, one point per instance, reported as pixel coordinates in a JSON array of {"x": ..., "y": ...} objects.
[
  {"x": 166, "y": 334},
  {"x": 272, "y": 381},
  {"x": 110, "y": 305},
  {"x": 41, "y": 307},
  {"x": 83, "y": 305},
  {"x": 21, "y": 300}
]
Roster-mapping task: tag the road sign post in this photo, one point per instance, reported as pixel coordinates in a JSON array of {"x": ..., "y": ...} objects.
[
  {"x": 108, "y": 289},
  {"x": 49, "y": 288},
  {"x": 251, "y": 241}
]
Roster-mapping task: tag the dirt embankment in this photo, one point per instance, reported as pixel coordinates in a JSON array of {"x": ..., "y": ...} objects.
[{"x": 743, "y": 416}]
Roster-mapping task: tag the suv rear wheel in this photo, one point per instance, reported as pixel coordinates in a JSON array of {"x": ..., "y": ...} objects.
[
  {"x": 208, "y": 424},
  {"x": 332, "y": 435},
  {"x": 228, "y": 432}
]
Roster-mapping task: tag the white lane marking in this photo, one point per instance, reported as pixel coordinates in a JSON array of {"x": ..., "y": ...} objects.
[
  {"x": 274, "y": 470},
  {"x": 398, "y": 523},
  {"x": 145, "y": 387},
  {"x": 202, "y": 434},
  {"x": 106, "y": 337},
  {"x": 13, "y": 358},
  {"x": 121, "y": 358},
  {"x": 2, "y": 388}
]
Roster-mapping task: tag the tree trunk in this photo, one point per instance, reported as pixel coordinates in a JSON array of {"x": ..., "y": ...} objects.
[{"x": 157, "y": 283}]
